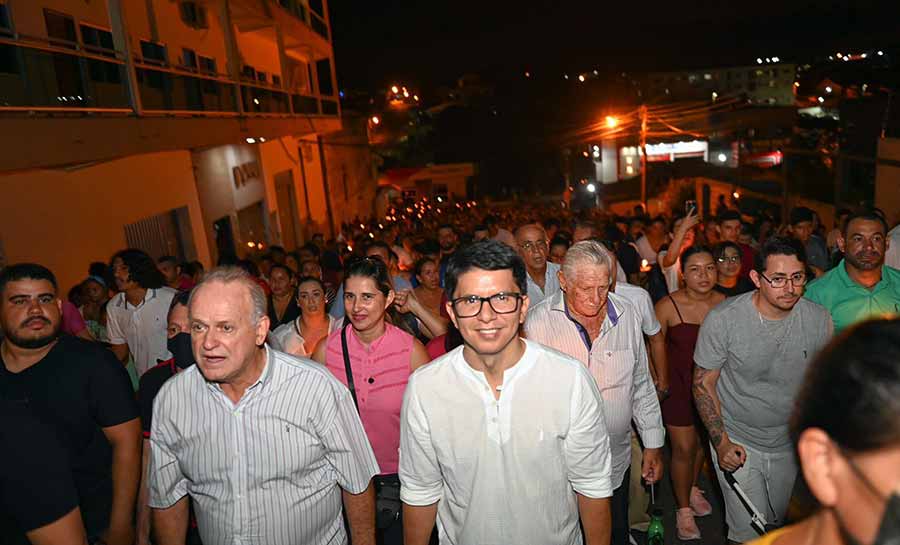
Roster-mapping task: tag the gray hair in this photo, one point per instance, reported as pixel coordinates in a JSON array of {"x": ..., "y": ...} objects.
[
  {"x": 229, "y": 275},
  {"x": 586, "y": 252}
]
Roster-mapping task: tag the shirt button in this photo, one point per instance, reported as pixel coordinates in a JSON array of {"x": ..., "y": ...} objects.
[{"x": 371, "y": 380}]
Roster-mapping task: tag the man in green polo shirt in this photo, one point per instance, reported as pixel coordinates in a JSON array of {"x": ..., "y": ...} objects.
[{"x": 861, "y": 286}]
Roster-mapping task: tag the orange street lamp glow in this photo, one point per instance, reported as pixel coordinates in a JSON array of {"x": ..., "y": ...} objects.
[
  {"x": 611, "y": 122},
  {"x": 395, "y": 89},
  {"x": 375, "y": 120}
]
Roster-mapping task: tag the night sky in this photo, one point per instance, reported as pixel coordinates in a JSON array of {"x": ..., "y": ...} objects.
[{"x": 432, "y": 42}]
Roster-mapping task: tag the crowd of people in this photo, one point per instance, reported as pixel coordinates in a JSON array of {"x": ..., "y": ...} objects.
[{"x": 461, "y": 375}]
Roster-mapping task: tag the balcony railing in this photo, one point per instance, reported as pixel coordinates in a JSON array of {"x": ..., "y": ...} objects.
[
  {"x": 314, "y": 20},
  {"x": 49, "y": 77},
  {"x": 40, "y": 76}
]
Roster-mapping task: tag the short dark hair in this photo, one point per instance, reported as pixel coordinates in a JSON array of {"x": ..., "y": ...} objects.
[
  {"x": 559, "y": 241},
  {"x": 287, "y": 270},
  {"x": 379, "y": 244},
  {"x": 181, "y": 298},
  {"x": 480, "y": 227},
  {"x": 311, "y": 248},
  {"x": 779, "y": 246},
  {"x": 551, "y": 222},
  {"x": 309, "y": 279},
  {"x": 659, "y": 219},
  {"x": 422, "y": 262},
  {"x": 728, "y": 215},
  {"x": 487, "y": 255},
  {"x": 250, "y": 267},
  {"x": 718, "y": 250},
  {"x": 141, "y": 268},
  {"x": 168, "y": 259},
  {"x": 867, "y": 215},
  {"x": 277, "y": 248},
  {"x": 447, "y": 226},
  {"x": 26, "y": 271},
  {"x": 800, "y": 214},
  {"x": 692, "y": 251},
  {"x": 852, "y": 389}
]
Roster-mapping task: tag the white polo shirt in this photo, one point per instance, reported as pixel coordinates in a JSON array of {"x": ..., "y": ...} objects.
[
  {"x": 617, "y": 359},
  {"x": 142, "y": 327},
  {"x": 551, "y": 284},
  {"x": 504, "y": 470},
  {"x": 643, "y": 304}
]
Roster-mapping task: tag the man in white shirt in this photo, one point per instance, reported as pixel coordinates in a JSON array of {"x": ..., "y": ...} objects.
[
  {"x": 137, "y": 315},
  {"x": 532, "y": 245},
  {"x": 269, "y": 447},
  {"x": 603, "y": 331},
  {"x": 501, "y": 440}
]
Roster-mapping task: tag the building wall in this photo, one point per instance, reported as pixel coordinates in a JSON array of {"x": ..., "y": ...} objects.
[
  {"x": 351, "y": 175},
  {"x": 276, "y": 157},
  {"x": 174, "y": 33},
  {"x": 887, "y": 179},
  {"x": 28, "y": 15},
  {"x": 260, "y": 50},
  {"x": 65, "y": 219},
  {"x": 219, "y": 193}
]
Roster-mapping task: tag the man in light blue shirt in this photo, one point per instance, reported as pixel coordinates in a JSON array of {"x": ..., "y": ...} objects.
[{"x": 533, "y": 248}]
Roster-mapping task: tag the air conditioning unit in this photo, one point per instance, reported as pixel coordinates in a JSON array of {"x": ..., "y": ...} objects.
[{"x": 194, "y": 15}]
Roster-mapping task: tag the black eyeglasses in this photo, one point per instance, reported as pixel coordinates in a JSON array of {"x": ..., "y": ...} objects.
[
  {"x": 501, "y": 303},
  {"x": 797, "y": 279}
]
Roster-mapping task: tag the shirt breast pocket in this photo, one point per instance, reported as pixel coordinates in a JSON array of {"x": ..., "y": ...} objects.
[{"x": 616, "y": 368}]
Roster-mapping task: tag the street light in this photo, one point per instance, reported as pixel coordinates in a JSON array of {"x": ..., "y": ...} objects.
[
  {"x": 375, "y": 120},
  {"x": 395, "y": 89},
  {"x": 611, "y": 122},
  {"x": 591, "y": 188}
]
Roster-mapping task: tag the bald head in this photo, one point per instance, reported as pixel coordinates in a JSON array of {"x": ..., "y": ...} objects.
[{"x": 533, "y": 248}]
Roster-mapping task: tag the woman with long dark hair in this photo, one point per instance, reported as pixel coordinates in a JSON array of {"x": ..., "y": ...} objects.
[
  {"x": 680, "y": 315},
  {"x": 374, "y": 358},
  {"x": 301, "y": 336}
]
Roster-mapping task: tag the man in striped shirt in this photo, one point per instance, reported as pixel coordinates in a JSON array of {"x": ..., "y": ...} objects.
[
  {"x": 603, "y": 331},
  {"x": 265, "y": 444}
]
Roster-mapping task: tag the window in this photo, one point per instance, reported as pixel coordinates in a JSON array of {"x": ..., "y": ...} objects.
[
  {"x": 208, "y": 65},
  {"x": 189, "y": 59},
  {"x": 153, "y": 52},
  {"x": 193, "y": 15},
  {"x": 97, "y": 40},
  {"x": 261, "y": 76},
  {"x": 316, "y": 6},
  {"x": 5, "y": 22},
  {"x": 60, "y": 29},
  {"x": 707, "y": 77},
  {"x": 248, "y": 72},
  {"x": 276, "y": 80},
  {"x": 323, "y": 70}
]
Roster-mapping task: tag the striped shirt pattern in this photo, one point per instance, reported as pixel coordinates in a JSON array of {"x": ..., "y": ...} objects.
[
  {"x": 268, "y": 470},
  {"x": 618, "y": 361}
]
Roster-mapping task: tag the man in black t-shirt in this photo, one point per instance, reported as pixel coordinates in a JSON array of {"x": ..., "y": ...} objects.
[
  {"x": 38, "y": 501},
  {"x": 80, "y": 391}
]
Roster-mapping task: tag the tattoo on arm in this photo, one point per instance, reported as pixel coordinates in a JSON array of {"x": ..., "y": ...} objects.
[{"x": 707, "y": 407}]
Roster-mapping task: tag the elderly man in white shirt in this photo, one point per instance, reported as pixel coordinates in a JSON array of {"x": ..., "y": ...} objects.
[
  {"x": 603, "y": 331},
  {"x": 501, "y": 440},
  {"x": 533, "y": 248}
]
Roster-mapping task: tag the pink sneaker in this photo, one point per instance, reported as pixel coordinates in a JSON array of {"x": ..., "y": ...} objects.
[
  {"x": 698, "y": 503},
  {"x": 685, "y": 524}
]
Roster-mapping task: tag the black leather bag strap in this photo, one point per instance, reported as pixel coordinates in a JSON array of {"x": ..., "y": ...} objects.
[{"x": 347, "y": 365}]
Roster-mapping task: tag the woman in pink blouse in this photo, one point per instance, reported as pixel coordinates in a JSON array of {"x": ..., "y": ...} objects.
[{"x": 379, "y": 357}]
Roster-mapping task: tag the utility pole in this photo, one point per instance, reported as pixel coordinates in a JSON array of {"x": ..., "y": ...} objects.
[{"x": 643, "y": 114}]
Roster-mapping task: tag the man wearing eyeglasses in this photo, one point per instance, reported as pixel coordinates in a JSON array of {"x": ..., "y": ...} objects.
[
  {"x": 602, "y": 330},
  {"x": 751, "y": 355},
  {"x": 531, "y": 243},
  {"x": 501, "y": 440}
]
